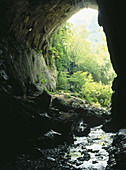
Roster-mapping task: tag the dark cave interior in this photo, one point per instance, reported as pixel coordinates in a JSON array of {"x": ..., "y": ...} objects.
[{"x": 26, "y": 27}]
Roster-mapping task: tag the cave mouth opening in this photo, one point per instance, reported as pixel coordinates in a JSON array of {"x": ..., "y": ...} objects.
[
  {"x": 83, "y": 62},
  {"x": 29, "y": 26}
]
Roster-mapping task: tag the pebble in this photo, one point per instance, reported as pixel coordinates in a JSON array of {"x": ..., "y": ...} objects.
[
  {"x": 75, "y": 156},
  {"x": 81, "y": 159},
  {"x": 94, "y": 162}
]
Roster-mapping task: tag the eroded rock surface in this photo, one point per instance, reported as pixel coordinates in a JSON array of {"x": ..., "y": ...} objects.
[
  {"x": 26, "y": 25},
  {"x": 117, "y": 152},
  {"x": 33, "y": 22},
  {"x": 24, "y": 70},
  {"x": 49, "y": 138},
  {"x": 74, "y": 107}
]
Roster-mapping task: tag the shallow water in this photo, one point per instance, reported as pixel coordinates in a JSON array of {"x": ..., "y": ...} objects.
[
  {"x": 85, "y": 153},
  {"x": 90, "y": 152}
]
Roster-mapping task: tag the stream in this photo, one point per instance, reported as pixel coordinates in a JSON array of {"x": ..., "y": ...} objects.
[
  {"x": 87, "y": 152},
  {"x": 90, "y": 152}
]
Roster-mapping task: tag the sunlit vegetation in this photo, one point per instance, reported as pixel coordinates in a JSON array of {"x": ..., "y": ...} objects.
[{"x": 83, "y": 68}]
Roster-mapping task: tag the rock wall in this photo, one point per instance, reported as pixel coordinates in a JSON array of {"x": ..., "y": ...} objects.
[
  {"x": 24, "y": 70},
  {"x": 27, "y": 26},
  {"x": 111, "y": 17},
  {"x": 25, "y": 29},
  {"x": 33, "y": 22}
]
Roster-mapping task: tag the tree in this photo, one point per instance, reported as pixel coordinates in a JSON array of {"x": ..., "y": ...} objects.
[{"x": 82, "y": 67}]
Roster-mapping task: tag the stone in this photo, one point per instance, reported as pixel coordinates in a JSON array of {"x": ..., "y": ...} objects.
[
  {"x": 53, "y": 112},
  {"x": 118, "y": 151},
  {"x": 33, "y": 23},
  {"x": 24, "y": 51},
  {"x": 87, "y": 157},
  {"x": 81, "y": 130},
  {"x": 25, "y": 28},
  {"x": 60, "y": 104},
  {"x": 110, "y": 126},
  {"x": 94, "y": 116},
  {"x": 20, "y": 121},
  {"x": 76, "y": 108},
  {"x": 94, "y": 162},
  {"x": 81, "y": 159},
  {"x": 28, "y": 72}
]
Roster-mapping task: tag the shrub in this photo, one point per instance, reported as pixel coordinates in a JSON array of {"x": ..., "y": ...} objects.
[
  {"x": 97, "y": 93},
  {"x": 62, "y": 81}
]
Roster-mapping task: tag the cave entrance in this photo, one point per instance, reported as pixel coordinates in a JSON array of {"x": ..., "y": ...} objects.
[{"x": 82, "y": 59}]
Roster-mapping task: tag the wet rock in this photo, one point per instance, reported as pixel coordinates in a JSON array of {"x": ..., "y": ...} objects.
[
  {"x": 87, "y": 157},
  {"x": 41, "y": 128},
  {"x": 24, "y": 121},
  {"x": 77, "y": 105},
  {"x": 75, "y": 156},
  {"x": 49, "y": 159},
  {"x": 77, "y": 108},
  {"x": 53, "y": 112},
  {"x": 81, "y": 129},
  {"x": 24, "y": 69},
  {"x": 94, "y": 116},
  {"x": 94, "y": 162},
  {"x": 4, "y": 78},
  {"x": 59, "y": 131},
  {"x": 73, "y": 103},
  {"x": 52, "y": 133},
  {"x": 117, "y": 151},
  {"x": 20, "y": 121},
  {"x": 81, "y": 159},
  {"x": 78, "y": 163},
  {"x": 60, "y": 104},
  {"x": 49, "y": 140}
]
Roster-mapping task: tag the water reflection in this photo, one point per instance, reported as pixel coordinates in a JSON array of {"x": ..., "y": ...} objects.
[{"x": 90, "y": 152}]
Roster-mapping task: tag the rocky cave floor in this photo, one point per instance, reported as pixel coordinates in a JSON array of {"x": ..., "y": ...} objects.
[{"x": 74, "y": 140}]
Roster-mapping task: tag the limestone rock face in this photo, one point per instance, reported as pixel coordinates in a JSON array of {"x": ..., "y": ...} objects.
[
  {"x": 24, "y": 70},
  {"x": 33, "y": 22},
  {"x": 26, "y": 27}
]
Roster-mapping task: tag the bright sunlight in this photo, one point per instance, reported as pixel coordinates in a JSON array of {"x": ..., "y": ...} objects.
[{"x": 82, "y": 59}]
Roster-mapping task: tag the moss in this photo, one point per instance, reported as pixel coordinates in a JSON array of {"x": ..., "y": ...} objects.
[
  {"x": 41, "y": 79},
  {"x": 67, "y": 96}
]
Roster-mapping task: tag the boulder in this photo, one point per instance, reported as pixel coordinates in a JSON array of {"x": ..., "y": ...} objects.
[
  {"x": 60, "y": 104},
  {"x": 94, "y": 116},
  {"x": 21, "y": 120},
  {"x": 25, "y": 123},
  {"x": 117, "y": 152},
  {"x": 77, "y": 108},
  {"x": 81, "y": 129}
]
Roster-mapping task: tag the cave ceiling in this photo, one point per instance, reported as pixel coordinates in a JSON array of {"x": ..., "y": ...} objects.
[{"x": 33, "y": 22}]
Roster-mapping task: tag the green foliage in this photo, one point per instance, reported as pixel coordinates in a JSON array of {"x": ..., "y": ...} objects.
[
  {"x": 97, "y": 93},
  {"x": 41, "y": 51},
  {"x": 77, "y": 80},
  {"x": 62, "y": 81},
  {"x": 83, "y": 68},
  {"x": 67, "y": 96},
  {"x": 41, "y": 79}
]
